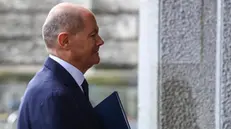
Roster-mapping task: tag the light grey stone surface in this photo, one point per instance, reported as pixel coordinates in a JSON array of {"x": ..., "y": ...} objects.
[
  {"x": 187, "y": 74},
  {"x": 15, "y": 25},
  {"x": 187, "y": 96},
  {"x": 124, "y": 26},
  {"x": 181, "y": 31},
  {"x": 22, "y": 52},
  {"x": 21, "y": 21},
  {"x": 120, "y": 52},
  {"x": 178, "y": 103},
  {"x": 226, "y": 66},
  {"x": 208, "y": 48},
  {"x": 27, "y": 4},
  {"x": 115, "y": 6},
  {"x": 38, "y": 23}
]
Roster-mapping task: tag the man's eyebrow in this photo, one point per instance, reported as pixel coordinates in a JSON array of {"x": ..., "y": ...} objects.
[{"x": 95, "y": 31}]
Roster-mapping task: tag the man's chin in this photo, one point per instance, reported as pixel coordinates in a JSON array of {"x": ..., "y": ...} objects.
[{"x": 96, "y": 60}]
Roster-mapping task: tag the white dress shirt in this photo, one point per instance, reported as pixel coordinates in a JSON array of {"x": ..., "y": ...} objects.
[{"x": 75, "y": 73}]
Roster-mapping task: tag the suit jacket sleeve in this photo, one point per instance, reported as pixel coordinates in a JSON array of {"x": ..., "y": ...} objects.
[{"x": 60, "y": 112}]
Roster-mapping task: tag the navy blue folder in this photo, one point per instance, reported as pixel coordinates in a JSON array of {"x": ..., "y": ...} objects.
[{"x": 111, "y": 112}]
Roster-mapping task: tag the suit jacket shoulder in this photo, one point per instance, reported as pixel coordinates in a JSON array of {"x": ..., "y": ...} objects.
[{"x": 53, "y": 100}]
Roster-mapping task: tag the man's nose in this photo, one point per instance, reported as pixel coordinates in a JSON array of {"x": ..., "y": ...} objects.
[{"x": 100, "y": 41}]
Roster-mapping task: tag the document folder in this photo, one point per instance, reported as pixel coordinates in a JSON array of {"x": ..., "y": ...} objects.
[{"x": 111, "y": 112}]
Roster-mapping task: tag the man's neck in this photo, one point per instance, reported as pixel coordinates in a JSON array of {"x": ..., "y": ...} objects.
[{"x": 78, "y": 64}]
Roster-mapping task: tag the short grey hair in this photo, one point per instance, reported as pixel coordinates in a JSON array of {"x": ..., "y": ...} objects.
[{"x": 63, "y": 21}]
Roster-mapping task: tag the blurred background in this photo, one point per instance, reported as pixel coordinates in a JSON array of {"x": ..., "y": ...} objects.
[{"x": 22, "y": 52}]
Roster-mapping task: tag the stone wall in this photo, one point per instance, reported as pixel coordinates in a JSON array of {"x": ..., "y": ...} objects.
[
  {"x": 21, "y": 22},
  {"x": 188, "y": 65},
  {"x": 20, "y": 34},
  {"x": 118, "y": 21}
]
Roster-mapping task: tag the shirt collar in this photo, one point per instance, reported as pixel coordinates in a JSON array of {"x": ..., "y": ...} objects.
[{"x": 75, "y": 72}]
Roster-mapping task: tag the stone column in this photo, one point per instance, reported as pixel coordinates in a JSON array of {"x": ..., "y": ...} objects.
[
  {"x": 187, "y": 65},
  {"x": 148, "y": 65},
  {"x": 187, "y": 71},
  {"x": 225, "y": 65}
]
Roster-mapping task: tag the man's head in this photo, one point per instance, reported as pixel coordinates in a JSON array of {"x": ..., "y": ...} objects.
[{"x": 71, "y": 33}]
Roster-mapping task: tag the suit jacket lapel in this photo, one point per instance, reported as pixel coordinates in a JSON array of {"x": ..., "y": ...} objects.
[
  {"x": 62, "y": 75},
  {"x": 65, "y": 78}
]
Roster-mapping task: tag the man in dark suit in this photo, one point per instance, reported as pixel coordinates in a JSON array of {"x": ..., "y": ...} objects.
[{"x": 57, "y": 96}]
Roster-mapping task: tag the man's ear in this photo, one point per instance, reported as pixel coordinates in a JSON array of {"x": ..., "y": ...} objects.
[{"x": 63, "y": 40}]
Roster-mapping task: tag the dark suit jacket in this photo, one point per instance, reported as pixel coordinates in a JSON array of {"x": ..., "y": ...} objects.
[{"x": 53, "y": 100}]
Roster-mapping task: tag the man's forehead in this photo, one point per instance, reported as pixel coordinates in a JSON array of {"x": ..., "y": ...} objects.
[{"x": 89, "y": 19}]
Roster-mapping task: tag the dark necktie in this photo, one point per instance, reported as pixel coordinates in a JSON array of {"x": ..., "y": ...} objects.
[{"x": 85, "y": 88}]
